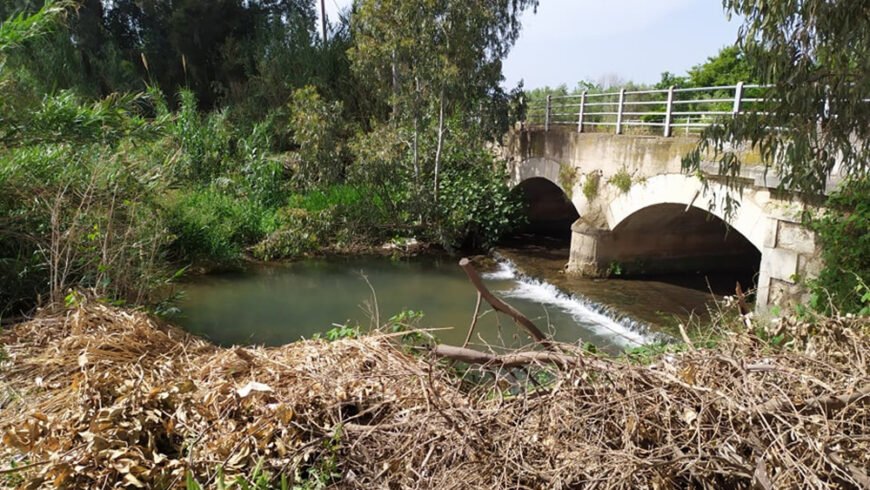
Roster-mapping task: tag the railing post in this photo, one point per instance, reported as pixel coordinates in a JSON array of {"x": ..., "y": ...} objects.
[
  {"x": 619, "y": 111},
  {"x": 547, "y": 115},
  {"x": 582, "y": 110},
  {"x": 669, "y": 110},
  {"x": 738, "y": 98}
]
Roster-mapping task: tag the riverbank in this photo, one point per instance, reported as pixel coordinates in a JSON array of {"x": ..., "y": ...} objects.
[{"x": 95, "y": 395}]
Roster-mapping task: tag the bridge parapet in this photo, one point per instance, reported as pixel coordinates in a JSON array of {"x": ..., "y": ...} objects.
[{"x": 663, "y": 112}]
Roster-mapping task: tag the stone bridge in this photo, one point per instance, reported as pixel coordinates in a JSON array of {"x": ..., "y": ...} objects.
[{"x": 631, "y": 210}]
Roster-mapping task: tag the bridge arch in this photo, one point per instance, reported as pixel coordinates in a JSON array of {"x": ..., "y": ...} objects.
[
  {"x": 549, "y": 211},
  {"x": 538, "y": 167},
  {"x": 749, "y": 219}
]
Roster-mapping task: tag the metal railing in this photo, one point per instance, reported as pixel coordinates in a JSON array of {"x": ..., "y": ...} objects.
[{"x": 674, "y": 108}]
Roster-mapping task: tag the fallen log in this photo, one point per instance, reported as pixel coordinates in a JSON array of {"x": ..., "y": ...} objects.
[{"x": 513, "y": 359}]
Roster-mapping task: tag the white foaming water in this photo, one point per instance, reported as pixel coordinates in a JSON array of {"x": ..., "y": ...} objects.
[
  {"x": 583, "y": 311},
  {"x": 505, "y": 272}
]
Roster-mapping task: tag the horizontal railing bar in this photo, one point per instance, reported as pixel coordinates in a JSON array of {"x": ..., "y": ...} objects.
[
  {"x": 701, "y": 113},
  {"x": 702, "y": 89},
  {"x": 625, "y": 113},
  {"x": 704, "y": 101},
  {"x": 651, "y": 91},
  {"x": 642, "y": 123},
  {"x": 645, "y": 102}
]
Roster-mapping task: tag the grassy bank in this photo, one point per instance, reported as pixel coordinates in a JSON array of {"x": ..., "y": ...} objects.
[{"x": 96, "y": 396}]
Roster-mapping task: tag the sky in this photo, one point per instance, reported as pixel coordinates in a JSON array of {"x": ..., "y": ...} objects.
[{"x": 598, "y": 40}]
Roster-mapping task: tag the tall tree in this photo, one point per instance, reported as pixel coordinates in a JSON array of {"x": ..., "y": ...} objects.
[
  {"x": 816, "y": 55},
  {"x": 432, "y": 60}
]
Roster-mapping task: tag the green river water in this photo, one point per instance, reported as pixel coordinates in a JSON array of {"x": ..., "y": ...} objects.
[{"x": 277, "y": 304}]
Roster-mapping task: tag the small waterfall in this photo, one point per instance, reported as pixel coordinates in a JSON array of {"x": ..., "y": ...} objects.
[{"x": 602, "y": 320}]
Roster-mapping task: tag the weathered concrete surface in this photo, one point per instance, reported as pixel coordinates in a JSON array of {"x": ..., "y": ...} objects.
[{"x": 629, "y": 191}]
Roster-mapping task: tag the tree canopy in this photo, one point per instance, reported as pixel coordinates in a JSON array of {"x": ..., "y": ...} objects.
[{"x": 815, "y": 54}]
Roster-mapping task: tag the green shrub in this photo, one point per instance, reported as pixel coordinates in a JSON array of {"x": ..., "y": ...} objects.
[
  {"x": 339, "y": 215},
  {"x": 298, "y": 232},
  {"x": 844, "y": 233},
  {"x": 317, "y": 128},
  {"x": 77, "y": 216},
  {"x": 590, "y": 185},
  {"x": 210, "y": 225},
  {"x": 621, "y": 179},
  {"x": 476, "y": 208},
  {"x": 205, "y": 141}
]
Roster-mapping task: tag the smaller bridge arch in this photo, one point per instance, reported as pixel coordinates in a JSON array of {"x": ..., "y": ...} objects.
[
  {"x": 549, "y": 211},
  {"x": 538, "y": 167}
]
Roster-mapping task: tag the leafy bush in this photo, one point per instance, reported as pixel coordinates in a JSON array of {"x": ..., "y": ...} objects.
[
  {"x": 335, "y": 216},
  {"x": 299, "y": 232},
  {"x": 844, "y": 233},
  {"x": 205, "y": 141},
  {"x": 476, "y": 207},
  {"x": 317, "y": 130},
  {"x": 210, "y": 225}
]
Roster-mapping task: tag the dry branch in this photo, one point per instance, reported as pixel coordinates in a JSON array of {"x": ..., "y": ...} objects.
[
  {"x": 123, "y": 400},
  {"x": 501, "y": 306},
  {"x": 513, "y": 359}
]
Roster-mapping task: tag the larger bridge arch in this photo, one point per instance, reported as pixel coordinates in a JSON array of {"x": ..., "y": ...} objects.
[{"x": 748, "y": 219}]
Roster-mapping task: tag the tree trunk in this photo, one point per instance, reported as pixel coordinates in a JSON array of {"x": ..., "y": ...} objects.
[{"x": 440, "y": 141}]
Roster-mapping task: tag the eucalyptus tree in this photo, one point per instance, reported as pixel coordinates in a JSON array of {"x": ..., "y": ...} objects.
[
  {"x": 433, "y": 60},
  {"x": 815, "y": 54}
]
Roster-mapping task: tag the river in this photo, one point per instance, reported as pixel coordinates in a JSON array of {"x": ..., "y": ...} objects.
[{"x": 276, "y": 304}]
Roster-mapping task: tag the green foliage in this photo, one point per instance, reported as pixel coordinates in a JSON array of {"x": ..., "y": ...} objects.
[
  {"x": 342, "y": 332},
  {"x": 590, "y": 185},
  {"x": 340, "y": 215},
  {"x": 621, "y": 180},
  {"x": 210, "y": 225},
  {"x": 476, "y": 207},
  {"x": 814, "y": 54},
  {"x": 317, "y": 128},
  {"x": 21, "y": 27},
  {"x": 727, "y": 67},
  {"x": 614, "y": 269},
  {"x": 204, "y": 140},
  {"x": 325, "y": 472},
  {"x": 408, "y": 321},
  {"x": 79, "y": 216},
  {"x": 843, "y": 230},
  {"x": 649, "y": 353}
]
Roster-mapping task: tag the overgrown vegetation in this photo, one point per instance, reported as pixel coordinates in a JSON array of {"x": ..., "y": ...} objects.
[
  {"x": 590, "y": 185},
  {"x": 621, "y": 180},
  {"x": 197, "y": 142},
  {"x": 844, "y": 232}
]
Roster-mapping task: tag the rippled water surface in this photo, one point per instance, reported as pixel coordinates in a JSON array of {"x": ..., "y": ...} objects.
[{"x": 278, "y": 304}]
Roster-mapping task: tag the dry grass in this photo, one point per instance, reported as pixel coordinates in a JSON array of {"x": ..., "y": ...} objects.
[{"x": 98, "y": 397}]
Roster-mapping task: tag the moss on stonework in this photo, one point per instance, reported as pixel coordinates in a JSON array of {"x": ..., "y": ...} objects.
[
  {"x": 567, "y": 178},
  {"x": 590, "y": 185}
]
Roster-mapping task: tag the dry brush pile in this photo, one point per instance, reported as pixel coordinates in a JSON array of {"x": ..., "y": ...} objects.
[{"x": 101, "y": 397}]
